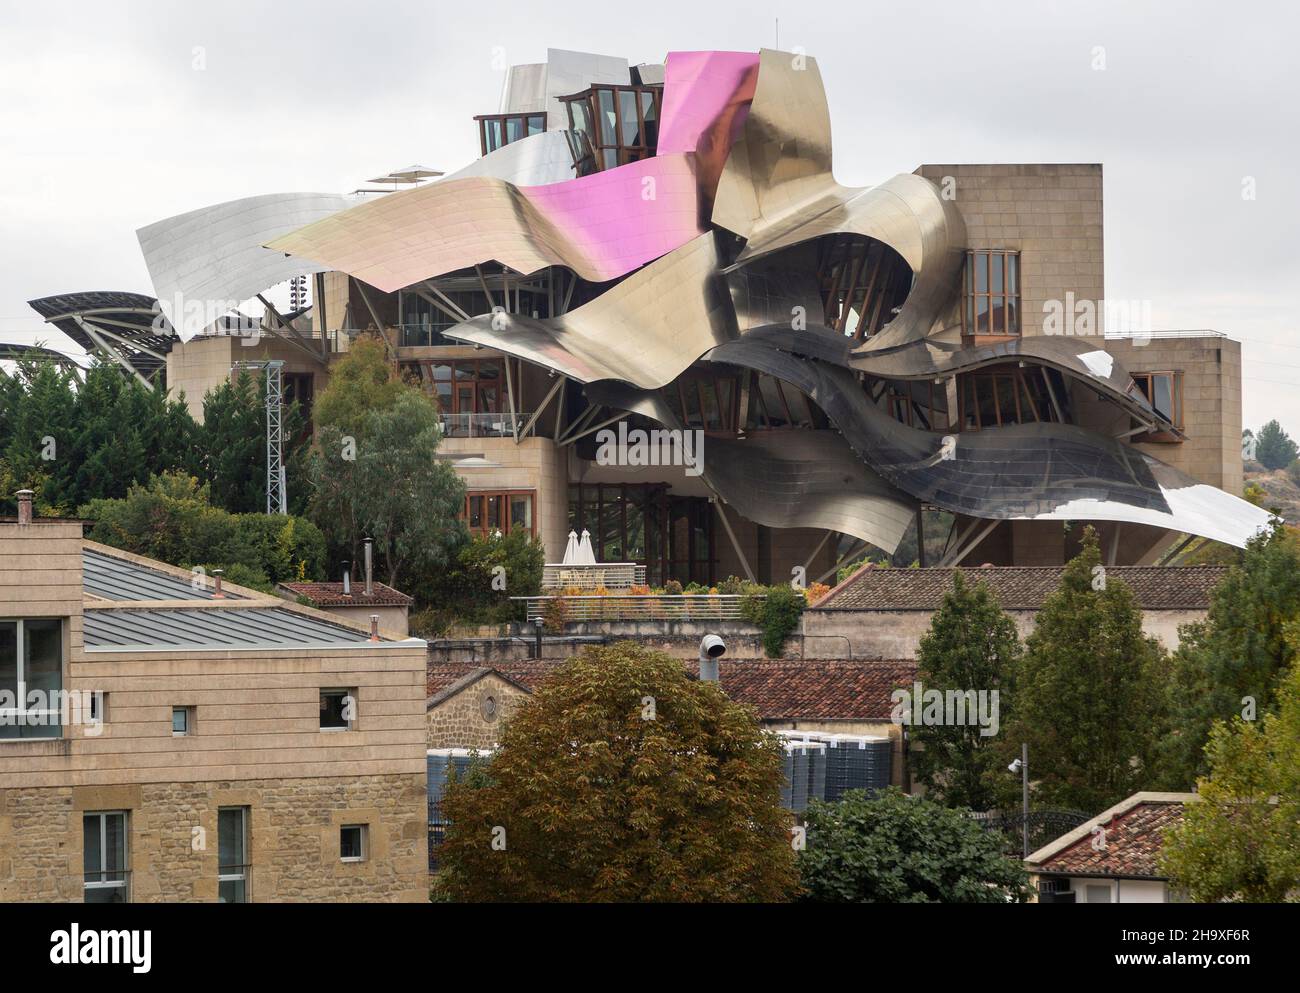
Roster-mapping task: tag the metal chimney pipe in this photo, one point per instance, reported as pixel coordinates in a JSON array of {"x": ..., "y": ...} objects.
[
  {"x": 370, "y": 581},
  {"x": 347, "y": 578},
  {"x": 217, "y": 592},
  {"x": 25, "y": 506},
  {"x": 374, "y": 627}
]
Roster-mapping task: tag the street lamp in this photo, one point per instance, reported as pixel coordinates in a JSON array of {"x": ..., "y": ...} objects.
[{"x": 1021, "y": 765}]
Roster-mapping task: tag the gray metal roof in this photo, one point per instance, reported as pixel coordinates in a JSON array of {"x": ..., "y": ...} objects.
[
  {"x": 117, "y": 579},
  {"x": 252, "y": 627}
]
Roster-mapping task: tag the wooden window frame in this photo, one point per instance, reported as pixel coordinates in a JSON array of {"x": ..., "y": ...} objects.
[
  {"x": 505, "y": 527},
  {"x": 970, "y": 317},
  {"x": 484, "y": 119}
]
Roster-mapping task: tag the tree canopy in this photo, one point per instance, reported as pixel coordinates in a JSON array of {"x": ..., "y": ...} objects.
[
  {"x": 893, "y": 848},
  {"x": 971, "y": 645},
  {"x": 623, "y": 779},
  {"x": 1090, "y": 693},
  {"x": 1274, "y": 448}
]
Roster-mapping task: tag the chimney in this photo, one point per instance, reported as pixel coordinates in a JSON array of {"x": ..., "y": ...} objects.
[
  {"x": 217, "y": 593},
  {"x": 370, "y": 581},
  {"x": 347, "y": 578},
  {"x": 25, "y": 506},
  {"x": 374, "y": 627}
]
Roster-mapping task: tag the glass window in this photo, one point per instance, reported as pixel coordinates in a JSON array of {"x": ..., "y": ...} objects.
[
  {"x": 337, "y": 710},
  {"x": 31, "y": 678},
  {"x": 521, "y": 512},
  {"x": 232, "y": 855},
  {"x": 991, "y": 291},
  {"x": 180, "y": 720},
  {"x": 104, "y": 857},
  {"x": 352, "y": 842}
]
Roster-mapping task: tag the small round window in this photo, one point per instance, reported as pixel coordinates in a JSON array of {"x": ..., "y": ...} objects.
[{"x": 488, "y": 705}]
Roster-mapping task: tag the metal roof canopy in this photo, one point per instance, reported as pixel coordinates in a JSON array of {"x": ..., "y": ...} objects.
[
  {"x": 118, "y": 579},
  {"x": 216, "y": 629},
  {"x": 127, "y": 328}
]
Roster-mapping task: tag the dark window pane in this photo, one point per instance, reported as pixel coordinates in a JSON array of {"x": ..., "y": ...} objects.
[
  {"x": 230, "y": 837},
  {"x": 43, "y": 658},
  {"x": 9, "y": 657}
]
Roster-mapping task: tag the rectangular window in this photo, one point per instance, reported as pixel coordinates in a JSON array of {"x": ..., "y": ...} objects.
[
  {"x": 991, "y": 293},
  {"x": 614, "y": 125},
  {"x": 489, "y": 513},
  {"x": 31, "y": 678},
  {"x": 104, "y": 857},
  {"x": 182, "y": 721},
  {"x": 337, "y": 710},
  {"x": 232, "y": 855},
  {"x": 496, "y": 130},
  {"x": 353, "y": 842}
]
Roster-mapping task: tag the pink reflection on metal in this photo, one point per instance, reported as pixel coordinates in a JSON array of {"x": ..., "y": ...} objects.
[{"x": 706, "y": 98}]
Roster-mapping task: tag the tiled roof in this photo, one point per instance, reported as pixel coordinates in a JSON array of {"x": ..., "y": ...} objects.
[
  {"x": 808, "y": 689},
  {"x": 331, "y": 595},
  {"x": 1019, "y": 587},
  {"x": 1133, "y": 838}
]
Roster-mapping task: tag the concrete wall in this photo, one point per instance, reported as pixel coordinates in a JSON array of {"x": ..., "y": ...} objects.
[
  {"x": 896, "y": 634},
  {"x": 196, "y": 367}
]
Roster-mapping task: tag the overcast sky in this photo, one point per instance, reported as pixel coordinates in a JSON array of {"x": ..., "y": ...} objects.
[{"x": 117, "y": 114}]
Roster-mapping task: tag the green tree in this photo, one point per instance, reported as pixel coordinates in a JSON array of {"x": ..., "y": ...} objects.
[
  {"x": 1090, "y": 693},
  {"x": 471, "y": 590},
  {"x": 1240, "y": 841},
  {"x": 1234, "y": 658},
  {"x": 388, "y": 484},
  {"x": 893, "y": 848},
  {"x": 362, "y": 382},
  {"x": 971, "y": 645},
  {"x": 623, "y": 779},
  {"x": 1274, "y": 448}
]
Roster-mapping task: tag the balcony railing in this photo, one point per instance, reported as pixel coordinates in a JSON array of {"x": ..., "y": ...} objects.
[
  {"x": 700, "y": 607},
  {"x": 610, "y": 575},
  {"x": 501, "y": 425}
]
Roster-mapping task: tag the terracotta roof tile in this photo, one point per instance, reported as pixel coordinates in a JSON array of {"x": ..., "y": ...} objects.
[
  {"x": 1133, "y": 841},
  {"x": 331, "y": 595},
  {"x": 808, "y": 689},
  {"x": 1018, "y": 587}
]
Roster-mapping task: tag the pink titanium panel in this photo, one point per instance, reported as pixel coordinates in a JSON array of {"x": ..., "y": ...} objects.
[{"x": 706, "y": 97}]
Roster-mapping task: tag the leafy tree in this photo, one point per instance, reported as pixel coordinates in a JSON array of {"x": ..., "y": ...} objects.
[
  {"x": 892, "y": 848},
  {"x": 1274, "y": 448},
  {"x": 1090, "y": 693},
  {"x": 233, "y": 442},
  {"x": 172, "y": 520},
  {"x": 1240, "y": 841},
  {"x": 362, "y": 382},
  {"x": 471, "y": 590},
  {"x": 971, "y": 645},
  {"x": 388, "y": 484},
  {"x": 1238, "y": 651},
  {"x": 776, "y": 609},
  {"x": 623, "y": 779}
]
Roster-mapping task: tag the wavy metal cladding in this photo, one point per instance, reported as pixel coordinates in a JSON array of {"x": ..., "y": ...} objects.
[
  {"x": 1020, "y": 472},
  {"x": 930, "y": 359},
  {"x": 778, "y": 190},
  {"x": 208, "y": 261},
  {"x": 646, "y": 330},
  {"x": 812, "y": 480}
]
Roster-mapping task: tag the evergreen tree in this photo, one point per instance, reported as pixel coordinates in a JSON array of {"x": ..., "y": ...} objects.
[
  {"x": 1232, "y": 660},
  {"x": 1090, "y": 694},
  {"x": 971, "y": 645},
  {"x": 1274, "y": 448}
]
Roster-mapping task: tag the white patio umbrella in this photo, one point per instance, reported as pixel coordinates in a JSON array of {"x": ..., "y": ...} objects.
[
  {"x": 571, "y": 550},
  {"x": 586, "y": 555}
]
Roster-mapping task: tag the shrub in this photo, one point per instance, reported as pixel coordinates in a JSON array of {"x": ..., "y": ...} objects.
[{"x": 776, "y": 610}]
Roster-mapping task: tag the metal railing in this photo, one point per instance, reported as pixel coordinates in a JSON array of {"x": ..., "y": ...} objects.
[
  {"x": 501, "y": 425},
  {"x": 621, "y": 607},
  {"x": 1121, "y": 335},
  {"x": 610, "y": 575}
]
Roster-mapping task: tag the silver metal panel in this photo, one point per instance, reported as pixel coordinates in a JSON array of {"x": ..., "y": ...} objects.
[
  {"x": 806, "y": 479},
  {"x": 571, "y": 72},
  {"x": 537, "y": 160},
  {"x": 117, "y": 579},
  {"x": 646, "y": 330},
  {"x": 1019, "y": 472},
  {"x": 260, "y": 627},
  {"x": 778, "y": 190},
  {"x": 205, "y": 262}
]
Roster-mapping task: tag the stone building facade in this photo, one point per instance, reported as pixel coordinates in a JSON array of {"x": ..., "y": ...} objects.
[{"x": 228, "y": 748}]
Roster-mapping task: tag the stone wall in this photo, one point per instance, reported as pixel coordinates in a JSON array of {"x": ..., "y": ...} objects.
[
  {"x": 293, "y": 842},
  {"x": 473, "y": 718}
]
